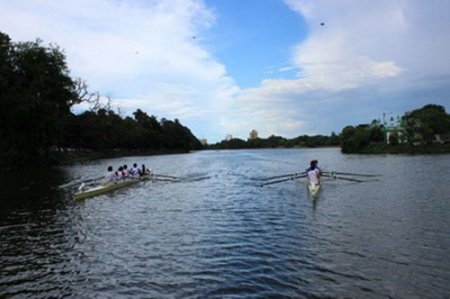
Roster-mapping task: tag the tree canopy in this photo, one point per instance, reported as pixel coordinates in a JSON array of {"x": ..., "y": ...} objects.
[
  {"x": 37, "y": 94},
  {"x": 104, "y": 130},
  {"x": 416, "y": 128},
  {"x": 427, "y": 122},
  {"x": 278, "y": 141}
]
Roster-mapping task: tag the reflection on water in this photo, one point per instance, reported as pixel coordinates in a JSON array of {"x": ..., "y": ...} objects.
[{"x": 227, "y": 237}]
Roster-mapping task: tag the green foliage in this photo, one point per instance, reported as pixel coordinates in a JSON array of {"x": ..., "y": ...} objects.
[
  {"x": 393, "y": 139},
  {"x": 36, "y": 92},
  {"x": 354, "y": 139},
  {"x": 105, "y": 131},
  {"x": 234, "y": 143},
  {"x": 278, "y": 141},
  {"x": 427, "y": 122},
  {"x": 418, "y": 127}
]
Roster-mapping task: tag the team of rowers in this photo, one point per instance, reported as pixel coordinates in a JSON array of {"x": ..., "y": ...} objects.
[{"x": 123, "y": 172}]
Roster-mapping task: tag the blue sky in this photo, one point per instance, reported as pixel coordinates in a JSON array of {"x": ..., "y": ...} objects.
[
  {"x": 229, "y": 66},
  {"x": 255, "y": 39}
]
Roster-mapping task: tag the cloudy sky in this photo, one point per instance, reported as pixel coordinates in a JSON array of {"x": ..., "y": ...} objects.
[{"x": 281, "y": 67}]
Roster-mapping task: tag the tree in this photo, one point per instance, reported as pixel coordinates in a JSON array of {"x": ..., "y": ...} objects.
[
  {"x": 334, "y": 139},
  {"x": 151, "y": 130},
  {"x": 93, "y": 99},
  {"x": 6, "y": 64},
  {"x": 37, "y": 92},
  {"x": 427, "y": 122},
  {"x": 355, "y": 139},
  {"x": 347, "y": 145},
  {"x": 179, "y": 137}
]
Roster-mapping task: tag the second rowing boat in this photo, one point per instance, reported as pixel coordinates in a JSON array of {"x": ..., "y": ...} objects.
[{"x": 100, "y": 189}]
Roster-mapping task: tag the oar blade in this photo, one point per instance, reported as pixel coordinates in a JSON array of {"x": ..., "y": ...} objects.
[
  {"x": 353, "y": 174},
  {"x": 283, "y": 176},
  {"x": 283, "y": 180},
  {"x": 165, "y": 180},
  {"x": 69, "y": 184},
  {"x": 342, "y": 178},
  {"x": 79, "y": 181},
  {"x": 166, "y": 176}
]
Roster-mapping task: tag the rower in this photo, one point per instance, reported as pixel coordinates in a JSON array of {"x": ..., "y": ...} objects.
[
  {"x": 120, "y": 173},
  {"x": 110, "y": 176},
  {"x": 316, "y": 165},
  {"x": 145, "y": 170},
  {"x": 126, "y": 171},
  {"x": 135, "y": 172},
  {"x": 314, "y": 172}
]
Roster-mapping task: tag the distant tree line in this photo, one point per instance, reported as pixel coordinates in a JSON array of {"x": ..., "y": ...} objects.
[
  {"x": 278, "y": 141},
  {"x": 356, "y": 138},
  {"x": 36, "y": 96},
  {"x": 104, "y": 130},
  {"x": 423, "y": 130}
]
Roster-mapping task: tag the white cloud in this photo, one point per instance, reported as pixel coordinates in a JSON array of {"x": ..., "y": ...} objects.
[
  {"x": 137, "y": 52},
  {"x": 366, "y": 57},
  {"x": 408, "y": 34}
]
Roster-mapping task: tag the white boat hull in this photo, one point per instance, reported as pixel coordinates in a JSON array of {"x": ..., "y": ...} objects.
[
  {"x": 313, "y": 188},
  {"x": 101, "y": 189}
]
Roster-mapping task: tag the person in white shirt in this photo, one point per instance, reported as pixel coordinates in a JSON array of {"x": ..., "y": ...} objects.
[
  {"x": 135, "y": 172},
  {"x": 314, "y": 173},
  {"x": 126, "y": 171},
  {"x": 110, "y": 176},
  {"x": 120, "y": 174},
  {"x": 314, "y": 164}
]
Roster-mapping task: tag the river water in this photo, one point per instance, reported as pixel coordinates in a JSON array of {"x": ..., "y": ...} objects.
[{"x": 218, "y": 234}]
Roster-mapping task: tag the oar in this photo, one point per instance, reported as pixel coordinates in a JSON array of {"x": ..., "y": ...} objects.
[
  {"x": 166, "y": 176},
  {"x": 78, "y": 181},
  {"x": 95, "y": 179},
  {"x": 196, "y": 179},
  {"x": 282, "y": 176},
  {"x": 346, "y": 173},
  {"x": 283, "y": 180},
  {"x": 165, "y": 180},
  {"x": 346, "y": 179}
]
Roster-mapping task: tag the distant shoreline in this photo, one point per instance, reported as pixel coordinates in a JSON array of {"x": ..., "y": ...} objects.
[{"x": 381, "y": 149}]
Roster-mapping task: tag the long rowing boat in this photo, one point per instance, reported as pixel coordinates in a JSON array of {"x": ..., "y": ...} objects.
[
  {"x": 104, "y": 188},
  {"x": 313, "y": 188}
]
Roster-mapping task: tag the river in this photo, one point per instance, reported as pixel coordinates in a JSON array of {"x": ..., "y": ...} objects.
[{"x": 218, "y": 234}]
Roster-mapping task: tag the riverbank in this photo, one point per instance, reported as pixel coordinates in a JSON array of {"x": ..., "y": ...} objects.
[
  {"x": 70, "y": 156},
  {"x": 380, "y": 149}
]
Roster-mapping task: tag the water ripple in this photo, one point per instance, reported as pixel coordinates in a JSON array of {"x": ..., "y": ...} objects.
[{"x": 224, "y": 237}]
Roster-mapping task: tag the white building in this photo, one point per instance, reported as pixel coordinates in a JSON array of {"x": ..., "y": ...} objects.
[
  {"x": 253, "y": 134},
  {"x": 394, "y": 129}
]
